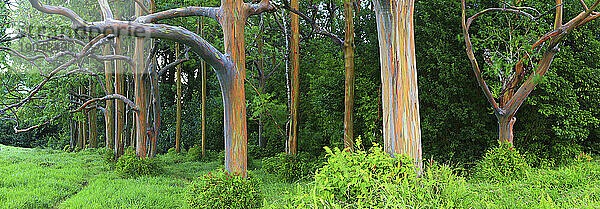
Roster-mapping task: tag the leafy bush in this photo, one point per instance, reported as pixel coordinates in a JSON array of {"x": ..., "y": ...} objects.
[
  {"x": 107, "y": 154},
  {"x": 290, "y": 168},
  {"x": 361, "y": 178},
  {"x": 130, "y": 165},
  {"x": 501, "y": 163},
  {"x": 583, "y": 158},
  {"x": 220, "y": 189},
  {"x": 194, "y": 153},
  {"x": 172, "y": 150},
  {"x": 68, "y": 148}
]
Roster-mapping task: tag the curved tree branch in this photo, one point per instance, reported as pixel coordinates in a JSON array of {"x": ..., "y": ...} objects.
[{"x": 108, "y": 97}]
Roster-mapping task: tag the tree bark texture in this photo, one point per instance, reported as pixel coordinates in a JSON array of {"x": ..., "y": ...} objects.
[
  {"x": 401, "y": 121},
  {"x": 120, "y": 116},
  {"x": 140, "y": 94},
  {"x": 294, "y": 79},
  {"x": 178, "y": 125},
  {"x": 349, "y": 75},
  {"x": 109, "y": 115}
]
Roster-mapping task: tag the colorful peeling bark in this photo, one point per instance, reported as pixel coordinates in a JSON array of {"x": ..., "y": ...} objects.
[
  {"x": 232, "y": 86},
  {"x": 349, "y": 74},
  {"x": 292, "y": 143},
  {"x": 140, "y": 94},
  {"x": 178, "y": 124},
  {"x": 109, "y": 113},
  {"x": 120, "y": 106},
  {"x": 401, "y": 121}
]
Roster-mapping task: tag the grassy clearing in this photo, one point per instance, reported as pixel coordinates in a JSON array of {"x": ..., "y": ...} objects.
[{"x": 34, "y": 178}]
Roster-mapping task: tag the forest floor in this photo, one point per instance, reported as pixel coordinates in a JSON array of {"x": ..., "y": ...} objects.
[{"x": 40, "y": 178}]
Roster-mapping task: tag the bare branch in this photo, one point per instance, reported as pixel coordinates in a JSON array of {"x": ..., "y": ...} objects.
[
  {"x": 36, "y": 126},
  {"x": 132, "y": 105},
  {"x": 212, "y": 12}
]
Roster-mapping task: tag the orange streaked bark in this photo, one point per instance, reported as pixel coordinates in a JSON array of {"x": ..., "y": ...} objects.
[
  {"x": 178, "y": 125},
  {"x": 401, "y": 121},
  {"x": 292, "y": 143},
  {"x": 120, "y": 106},
  {"x": 349, "y": 75},
  {"x": 140, "y": 94}
]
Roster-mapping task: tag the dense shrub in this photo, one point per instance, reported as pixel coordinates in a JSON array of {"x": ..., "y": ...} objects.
[
  {"x": 501, "y": 163},
  {"x": 130, "y": 165},
  {"x": 220, "y": 189},
  {"x": 107, "y": 154},
  {"x": 290, "y": 167},
  {"x": 360, "y": 178},
  {"x": 373, "y": 179}
]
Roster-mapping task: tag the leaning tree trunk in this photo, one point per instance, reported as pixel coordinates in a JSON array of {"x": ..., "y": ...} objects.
[
  {"x": 292, "y": 144},
  {"x": 349, "y": 84},
  {"x": 401, "y": 122}
]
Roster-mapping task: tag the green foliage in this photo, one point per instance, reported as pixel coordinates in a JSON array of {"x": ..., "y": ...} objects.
[
  {"x": 289, "y": 167},
  {"x": 107, "y": 155},
  {"x": 360, "y": 178},
  {"x": 583, "y": 158},
  {"x": 221, "y": 189},
  {"x": 130, "y": 165},
  {"x": 501, "y": 163},
  {"x": 68, "y": 148}
]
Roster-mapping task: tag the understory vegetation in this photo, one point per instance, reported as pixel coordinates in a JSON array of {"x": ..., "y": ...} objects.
[{"x": 44, "y": 178}]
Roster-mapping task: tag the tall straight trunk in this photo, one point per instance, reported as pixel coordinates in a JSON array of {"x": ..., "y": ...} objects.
[
  {"x": 349, "y": 84},
  {"x": 109, "y": 120},
  {"x": 178, "y": 126},
  {"x": 92, "y": 118},
  {"x": 73, "y": 131},
  {"x": 120, "y": 106},
  {"x": 140, "y": 95},
  {"x": 401, "y": 121},
  {"x": 261, "y": 83},
  {"x": 232, "y": 86},
  {"x": 203, "y": 71},
  {"x": 292, "y": 144}
]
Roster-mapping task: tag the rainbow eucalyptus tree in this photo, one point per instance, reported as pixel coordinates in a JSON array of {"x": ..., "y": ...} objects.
[
  {"x": 399, "y": 94},
  {"x": 525, "y": 73},
  {"x": 292, "y": 143},
  {"x": 229, "y": 66}
]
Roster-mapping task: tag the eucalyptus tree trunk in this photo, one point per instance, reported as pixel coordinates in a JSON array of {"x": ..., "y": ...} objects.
[
  {"x": 349, "y": 81},
  {"x": 140, "y": 94},
  {"x": 93, "y": 139},
  {"x": 109, "y": 115},
  {"x": 401, "y": 121},
  {"x": 120, "y": 116},
  {"x": 178, "y": 125},
  {"x": 292, "y": 144},
  {"x": 203, "y": 71}
]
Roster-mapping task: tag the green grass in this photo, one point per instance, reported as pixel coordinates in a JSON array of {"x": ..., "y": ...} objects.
[{"x": 37, "y": 178}]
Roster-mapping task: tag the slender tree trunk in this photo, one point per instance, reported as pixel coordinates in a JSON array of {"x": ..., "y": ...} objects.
[
  {"x": 261, "y": 82},
  {"x": 120, "y": 106},
  {"x": 178, "y": 126},
  {"x": 401, "y": 122},
  {"x": 203, "y": 71},
  {"x": 294, "y": 75},
  {"x": 109, "y": 115},
  {"x": 140, "y": 94},
  {"x": 349, "y": 84},
  {"x": 92, "y": 118}
]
